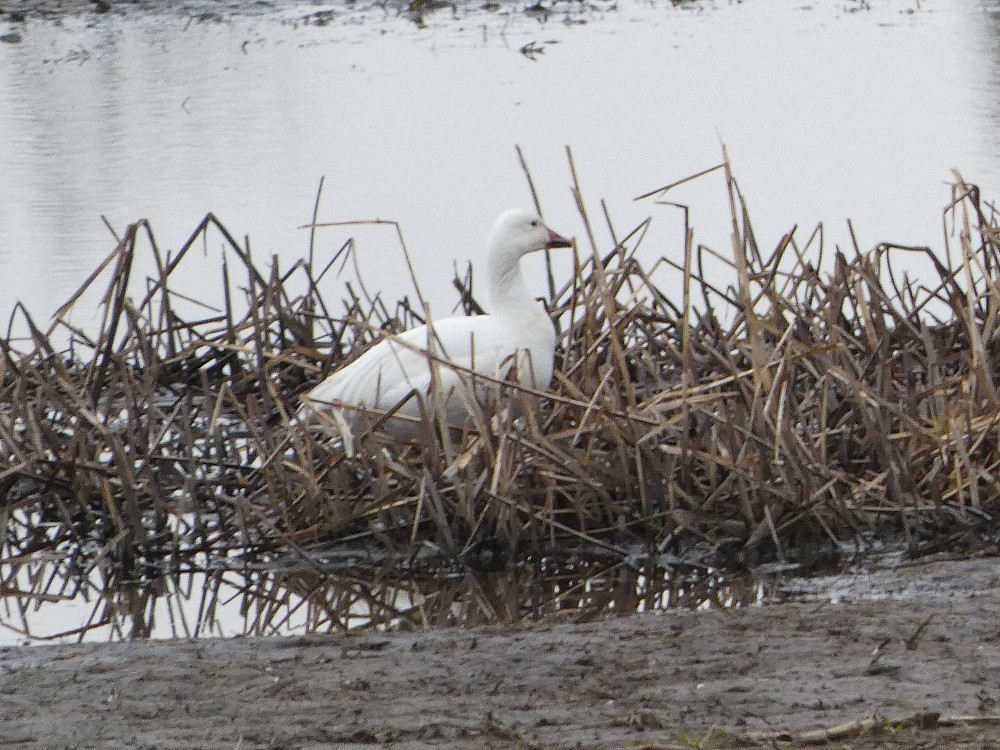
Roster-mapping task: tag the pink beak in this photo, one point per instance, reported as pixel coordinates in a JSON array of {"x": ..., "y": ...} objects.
[{"x": 557, "y": 240}]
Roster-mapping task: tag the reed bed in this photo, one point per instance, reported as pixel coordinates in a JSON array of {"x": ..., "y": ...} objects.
[{"x": 808, "y": 401}]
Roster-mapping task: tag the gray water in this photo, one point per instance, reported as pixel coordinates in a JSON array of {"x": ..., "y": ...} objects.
[{"x": 829, "y": 111}]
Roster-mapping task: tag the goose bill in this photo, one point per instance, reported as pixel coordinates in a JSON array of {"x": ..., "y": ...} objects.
[{"x": 557, "y": 240}]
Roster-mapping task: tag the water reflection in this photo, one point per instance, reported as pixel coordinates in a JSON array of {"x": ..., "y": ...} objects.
[{"x": 45, "y": 601}]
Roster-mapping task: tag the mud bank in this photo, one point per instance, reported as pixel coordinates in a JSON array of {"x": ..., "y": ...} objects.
[
  {"x": 639, "y": 681},
  {"x": 19, "y": 10}
]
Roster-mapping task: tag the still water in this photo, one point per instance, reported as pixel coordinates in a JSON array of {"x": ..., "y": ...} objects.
[
  {"x": 829, "y": 109},
  {"x": 46, "y": 603}
]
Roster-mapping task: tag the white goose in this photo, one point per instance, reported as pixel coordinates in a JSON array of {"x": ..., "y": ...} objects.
[{"x": 517, "y": 330}]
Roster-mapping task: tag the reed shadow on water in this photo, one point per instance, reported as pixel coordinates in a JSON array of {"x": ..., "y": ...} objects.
[{"x": 689, "y": 433}]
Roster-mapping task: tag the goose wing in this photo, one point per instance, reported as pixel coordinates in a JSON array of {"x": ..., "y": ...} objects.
[{"x": 397, "y": 365}]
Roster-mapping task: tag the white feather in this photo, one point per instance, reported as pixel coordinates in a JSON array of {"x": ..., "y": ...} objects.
[{"x": 445, "y": 352}]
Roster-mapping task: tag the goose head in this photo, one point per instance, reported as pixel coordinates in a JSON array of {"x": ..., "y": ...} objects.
[{"x": 518, "y": 232}]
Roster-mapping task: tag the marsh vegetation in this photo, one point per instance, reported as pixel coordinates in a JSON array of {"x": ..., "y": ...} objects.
[{"x": 812, "y": 397}]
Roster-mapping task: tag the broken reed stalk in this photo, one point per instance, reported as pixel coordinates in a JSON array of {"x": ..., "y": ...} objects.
[{"x": 710, "y": 425}]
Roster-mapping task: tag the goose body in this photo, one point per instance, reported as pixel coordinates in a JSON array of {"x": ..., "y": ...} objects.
[{"x": 517, "y": 330}]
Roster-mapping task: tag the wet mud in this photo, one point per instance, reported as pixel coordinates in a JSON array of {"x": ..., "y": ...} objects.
[{"x": 922, "y": 642}]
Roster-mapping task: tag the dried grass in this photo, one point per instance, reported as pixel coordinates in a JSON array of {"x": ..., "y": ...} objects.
[{"x": 765, "y": 421}]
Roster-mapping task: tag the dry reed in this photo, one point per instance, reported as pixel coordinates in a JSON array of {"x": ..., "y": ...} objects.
[{"x": 766, "y": 421}]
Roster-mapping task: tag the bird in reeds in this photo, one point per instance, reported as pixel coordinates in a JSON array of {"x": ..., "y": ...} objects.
[{"x": 408, "y": 372}]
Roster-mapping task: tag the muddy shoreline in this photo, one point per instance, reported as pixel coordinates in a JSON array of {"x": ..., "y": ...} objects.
[
  {"x": 14, "y": 13},
  {"x": 20, "y": 10},
  {"x": 605, "y": 684}
]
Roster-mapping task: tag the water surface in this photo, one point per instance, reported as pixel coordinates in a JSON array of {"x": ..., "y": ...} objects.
[{"x": 828, "y": 111}]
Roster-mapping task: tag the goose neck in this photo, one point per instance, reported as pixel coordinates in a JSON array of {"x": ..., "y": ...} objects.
[{"x": 508, "y": 293}]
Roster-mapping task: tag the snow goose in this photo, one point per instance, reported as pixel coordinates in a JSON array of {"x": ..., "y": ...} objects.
[{"x": 517, "y": 330}]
